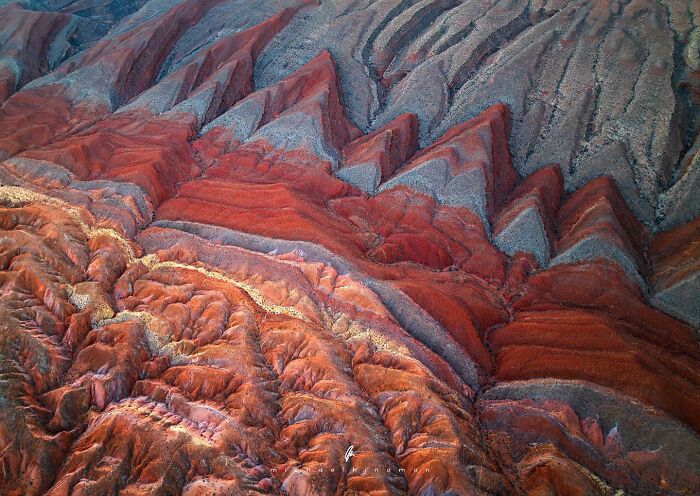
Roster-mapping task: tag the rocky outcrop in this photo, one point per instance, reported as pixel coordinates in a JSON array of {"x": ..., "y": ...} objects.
[
  {"x": 469, "y": 166},
  {"x": 26, "y": 41},
  {"x": 146, "y": 141},
  {"x": 239, "y": 255},
  {"x": 598, "y": 87},
  {"x": 526, "y": 223},
  {"x": 373, "y": 158},
  {"x": 674, "y": 275},
  {"x": 302, "y": 111},
  {"x": 596, "y": 223},
  {"x": 86, "y": 87}
]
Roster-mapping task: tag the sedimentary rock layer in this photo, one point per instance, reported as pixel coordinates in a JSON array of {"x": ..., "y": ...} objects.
[{"x": 315, "y": 248}]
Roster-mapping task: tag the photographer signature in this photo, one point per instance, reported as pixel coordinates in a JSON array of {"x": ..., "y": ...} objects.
[{"x": 349, "y": 453}]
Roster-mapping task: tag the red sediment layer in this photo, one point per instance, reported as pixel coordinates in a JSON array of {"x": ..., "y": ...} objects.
[
  {"x": 541, "y": 190},
  {"x": 599, "y": 209},
  {"x": 675, "y": 255},
  {"x": 131, "y": 60},
  {"x": 489, "y": 129},
  {"x": 608, "y": 353},
  {"x": 388, "y": 147},
  {"x": 27, "y": 36},
  {"x": 153, "y": 151},
  {"x": 311, "y": 90}
]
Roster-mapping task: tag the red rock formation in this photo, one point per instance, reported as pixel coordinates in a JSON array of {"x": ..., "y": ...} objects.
[
  {"x": 607, "y": 354},
  {"x": 371, "y": 159},
  {"x": 212, "y": 286},
  {"x": 26, "y": 38},
  {"x": 526, "y": 223},
  {"x": 302, "y": 111},
  {"x": 675, "y": 262},
  {"x": 78, "y": 90},
  {"x": 469, "y": 165},
  {"x": 147, "y": 143},
  {"x": 598, "y": 213}
]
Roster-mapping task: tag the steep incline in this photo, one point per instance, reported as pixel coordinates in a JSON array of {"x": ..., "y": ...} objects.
[{"x": 373, "y": 248}]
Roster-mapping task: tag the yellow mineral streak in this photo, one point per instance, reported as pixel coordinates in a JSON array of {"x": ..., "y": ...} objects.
[
  {"x": 250, "y": 290},
  {"x": 15, "y": 195},
  {"x": 100, "y": 308},
  {"x": 343, "y": 327}
]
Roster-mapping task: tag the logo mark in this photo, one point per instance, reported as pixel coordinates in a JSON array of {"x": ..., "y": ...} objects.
[{"x": 349, "y": 453}]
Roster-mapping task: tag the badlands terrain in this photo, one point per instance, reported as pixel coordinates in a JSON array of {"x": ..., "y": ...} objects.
[{"x": 349, "y": 247}]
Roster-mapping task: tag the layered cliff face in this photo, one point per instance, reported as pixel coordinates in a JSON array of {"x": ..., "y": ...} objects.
[{"x": 392, "y": 247}]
